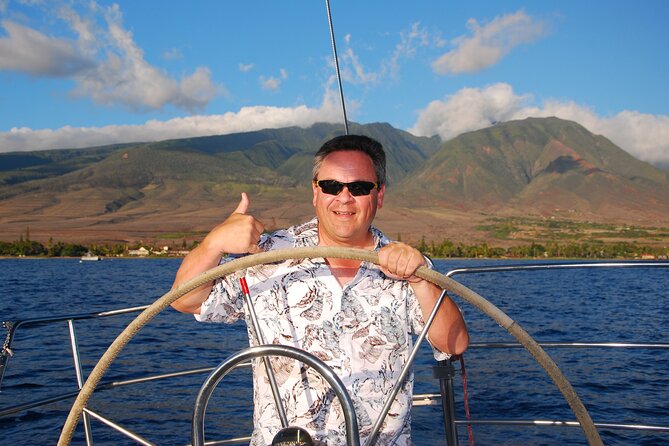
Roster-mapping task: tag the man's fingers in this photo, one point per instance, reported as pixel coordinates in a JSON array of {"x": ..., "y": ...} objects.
[
  {"x": 258, "y": 229},
  {"x": 243, "y": 205},
  {"x": 400, "y": 260},
  {"x": 242, "y": 230},
  {"x": 254, "y": 249}
]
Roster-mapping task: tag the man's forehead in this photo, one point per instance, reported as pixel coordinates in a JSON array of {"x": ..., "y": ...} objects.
[
  {"x": 349, "y": 164},
  {"x": 348, "y": 157}
]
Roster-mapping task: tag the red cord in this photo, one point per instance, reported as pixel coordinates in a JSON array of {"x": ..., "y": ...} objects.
[
  {"x": 245, "y": 286},
  {"x": 470, "y": 431}
]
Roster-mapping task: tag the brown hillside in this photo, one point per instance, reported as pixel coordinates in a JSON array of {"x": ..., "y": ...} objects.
[{"x": 536, "y": 170}]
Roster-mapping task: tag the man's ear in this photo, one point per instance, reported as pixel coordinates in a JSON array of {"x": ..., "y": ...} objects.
[
  {"x": 314, "y": 189},
  {"x": 379, "y": 198}
]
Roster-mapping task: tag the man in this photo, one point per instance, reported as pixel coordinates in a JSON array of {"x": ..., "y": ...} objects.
[{"x": 355, "y": 316}]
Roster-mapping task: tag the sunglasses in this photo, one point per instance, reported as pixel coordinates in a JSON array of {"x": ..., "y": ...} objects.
[{"x": 356, "y": 188}]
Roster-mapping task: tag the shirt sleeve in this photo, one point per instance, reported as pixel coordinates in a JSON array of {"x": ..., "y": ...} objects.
[{"x": 225, "y": 302}]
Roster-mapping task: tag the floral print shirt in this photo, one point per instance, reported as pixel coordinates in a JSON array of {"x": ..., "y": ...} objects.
[{"x": 362, "y": 331}]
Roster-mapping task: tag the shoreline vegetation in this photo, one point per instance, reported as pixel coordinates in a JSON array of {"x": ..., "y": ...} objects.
[{"x": 593, "y": 250}]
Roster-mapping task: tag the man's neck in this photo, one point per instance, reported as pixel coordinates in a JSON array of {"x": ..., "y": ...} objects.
[
  {"x": 344, "y": 270},
  {"x": 366, "y": 242}
]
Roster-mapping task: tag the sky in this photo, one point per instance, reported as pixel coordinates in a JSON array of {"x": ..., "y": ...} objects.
[{"x": 86, "y": 73}]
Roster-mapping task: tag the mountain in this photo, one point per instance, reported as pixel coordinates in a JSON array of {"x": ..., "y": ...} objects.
[
  {"x": 539, "y": 166},
  {"x": 185, "y": 185},
  {"x": 268, "y": 157},
  {"x": 182, "y": 188}
]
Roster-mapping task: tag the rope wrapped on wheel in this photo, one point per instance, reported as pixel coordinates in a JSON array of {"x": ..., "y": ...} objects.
[{"x": 435, "y": 277}]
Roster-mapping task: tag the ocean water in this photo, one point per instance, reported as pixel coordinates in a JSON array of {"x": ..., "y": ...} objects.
[{"x": 602, "y": 305}]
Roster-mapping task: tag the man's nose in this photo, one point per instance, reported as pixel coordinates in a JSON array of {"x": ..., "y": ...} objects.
[{"x": 345, "y": 195}]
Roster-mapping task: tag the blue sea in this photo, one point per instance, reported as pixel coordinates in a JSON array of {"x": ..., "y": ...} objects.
[{"x": 628, "y": 386}]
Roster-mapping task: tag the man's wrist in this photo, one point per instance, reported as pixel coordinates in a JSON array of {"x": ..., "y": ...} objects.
[
  {"x": 418, "y": 283},
  {"x": 211, "y": 251}
]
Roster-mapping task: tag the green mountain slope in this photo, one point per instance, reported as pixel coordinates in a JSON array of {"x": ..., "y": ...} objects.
[
  {"x": 153, "y": 175},
  {"x": 19, "y": 167},
  {"x": 537, "y": 165},
  {"x": 541, "y": 167}
]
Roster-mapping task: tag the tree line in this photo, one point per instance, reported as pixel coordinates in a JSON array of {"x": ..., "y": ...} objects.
[
  {"x": 445, "y": 249},
  {"x": 550, "y": 249},
  {"x": 31, "y": 248}
]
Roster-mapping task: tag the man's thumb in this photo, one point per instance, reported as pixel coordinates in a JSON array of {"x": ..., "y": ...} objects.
[{"x": 243, "y": 205}]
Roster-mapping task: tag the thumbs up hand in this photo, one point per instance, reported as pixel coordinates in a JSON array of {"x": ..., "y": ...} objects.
[{"x": 238, "y": 234}]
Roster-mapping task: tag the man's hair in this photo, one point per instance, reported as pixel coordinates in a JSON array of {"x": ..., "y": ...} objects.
[{"x": 359, "y": 143}]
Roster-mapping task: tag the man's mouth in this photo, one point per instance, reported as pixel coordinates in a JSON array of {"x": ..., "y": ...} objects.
[{"x": 344, "y": 213}]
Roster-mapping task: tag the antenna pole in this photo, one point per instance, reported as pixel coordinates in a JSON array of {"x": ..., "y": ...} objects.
[{"x": 336, "y": 62}]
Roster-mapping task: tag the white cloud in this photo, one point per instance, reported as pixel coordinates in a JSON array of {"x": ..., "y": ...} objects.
[
  {"x": 468, "y": 109},
  {"x": 273, "y": 83},
  {"x": 410, "y": 41},
  {"x": 353, "y": 70},
  {"x": 644, "y": 136},
  {"x": 246, "y": 119},
  {"x": 173, "y": 54},
  {"x": 270, "y": 83},
  {"x": 84, "y": 27},
  {"x": 488, "y": 44},
  {"x": 27, "y": 50},
  {"x": 196, "y": 90},
  {"x": 105, "y": 63},
  {"x": 245, "y": 67}
]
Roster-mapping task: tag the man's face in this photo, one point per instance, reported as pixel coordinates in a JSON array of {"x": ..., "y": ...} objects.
[{"x": 344, "y": 219}]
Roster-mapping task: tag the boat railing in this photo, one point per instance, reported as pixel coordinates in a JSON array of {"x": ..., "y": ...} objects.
[
  {"x": 448, "y": 396},
  {"x": 444, "y": 371},
  {"x": 448, "y": 372}
]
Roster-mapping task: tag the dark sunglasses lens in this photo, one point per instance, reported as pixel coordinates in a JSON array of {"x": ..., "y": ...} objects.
[
  {"x": 331, "y": 187},
  {"x": 358, "y": 188}
]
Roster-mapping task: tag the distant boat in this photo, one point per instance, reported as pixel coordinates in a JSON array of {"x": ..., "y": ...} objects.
[{"x": 89, "y": 257}]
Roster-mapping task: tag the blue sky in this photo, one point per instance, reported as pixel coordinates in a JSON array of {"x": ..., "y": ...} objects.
[{"x": 81, "y": 73}]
